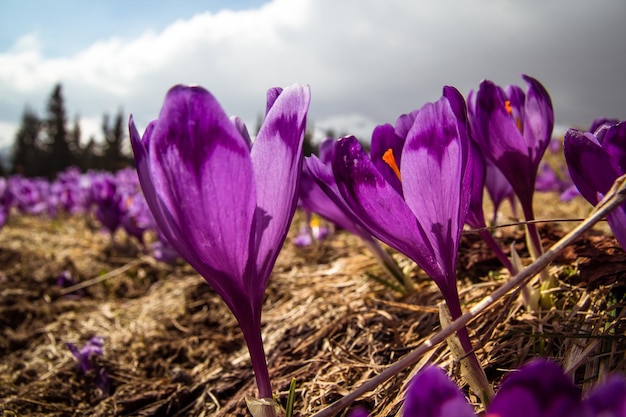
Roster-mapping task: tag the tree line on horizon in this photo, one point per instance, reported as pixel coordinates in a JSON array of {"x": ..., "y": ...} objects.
[{"x": 45, "y": 146}]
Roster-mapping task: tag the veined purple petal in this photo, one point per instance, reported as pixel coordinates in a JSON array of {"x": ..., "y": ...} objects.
[
  {"x": 197, "y": 157},
  {"x": 404, "y": 123},
  {"x": 538, "y": 389},
  {"x": 365, "y": 190},
  {"x": 277, "y": 159},
  {"x": 437, "y": 144},
  {"x": 272, "y": 95},
  {"x": 538, "y": 119},
  {"x": 432, "y": 394}
]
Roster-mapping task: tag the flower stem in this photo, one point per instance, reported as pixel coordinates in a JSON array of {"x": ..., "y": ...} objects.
[
  {"x": 254, "y": 341},
  {"x": 497, "y": 250}
]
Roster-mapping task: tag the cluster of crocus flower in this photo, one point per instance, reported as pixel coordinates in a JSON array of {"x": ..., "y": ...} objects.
[
  {"x": 604, "y": 150},
  {"x": 85, "y": 357},
  {"x": 223, "y": 202},
  {"x": 538, "y": 389},
  {"x": 114, "y": 199}
]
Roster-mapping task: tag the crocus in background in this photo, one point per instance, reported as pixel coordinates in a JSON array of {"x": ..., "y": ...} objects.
[
  {"x": 476, "y": 215},
  {"x": 513, "y": 129},
  {"x": 402, "y": 198},
  {"x": 107, "y": 202},
  {"x": 319, "y": 194},
  {"x": 85, "y": 358},
  {"x": 537, "y": 389},
  {"x": 595, "y": 161},
  {"x": 5, "y": 201},
  {"x": 223, "y": 203}
]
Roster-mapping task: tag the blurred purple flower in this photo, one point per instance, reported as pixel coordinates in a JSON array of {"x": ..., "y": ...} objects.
[
  {"x": 29, "y": 194},
  {"x": 5, "y": 201},
  {"x": 223, "y": 203},
  {"x": 84, "y": 356},
  {"x": 595, "y": 161},
  {"x": 537, "y": 389},
  {"x": 65, "y": 280},
  {"x": 162, "y": 251},
  {"x": 107, "y": 201}
]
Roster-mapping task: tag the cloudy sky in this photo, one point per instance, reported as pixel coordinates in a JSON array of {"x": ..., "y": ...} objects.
[{"x": 367, "y": 61}]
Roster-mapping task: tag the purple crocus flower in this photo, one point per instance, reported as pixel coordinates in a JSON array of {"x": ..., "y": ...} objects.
[
  {"x": 223, "y": 203},
  {"x": 401, "y": 196},
  {"x": 5, "y": 201},
  {"x": 537, "y": 389},
  {"x": 319, "y": 194},
  {"x": 513, "y": 129},
  {"x": 595, "y": 161},
  {"x": 84, "y": 356},
  {"x": 107, "y": 200}
]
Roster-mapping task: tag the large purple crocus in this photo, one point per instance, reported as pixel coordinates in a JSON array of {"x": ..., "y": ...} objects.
[
  {"x": 537, "y": 389},
  {"x": 513, "y": 129},
  {"x": 595, "y": 161},
  {"x": 414, "y": 192},
  {"x": 225, "y": 204}
]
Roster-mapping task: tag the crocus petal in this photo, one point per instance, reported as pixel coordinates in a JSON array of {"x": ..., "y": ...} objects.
[
  {"x": 617, "y": 223},
  {"x": 242, "y": 128},
  {"x": 195, "y": 154},
  {"x": 386, "y": 154},
  {"x": 608, "y": 399},
  {"x": 432, "y": 394},
  {"x": 614, "y": 144},
  {"x": 404, "y": 123},
  {"x": 372, "y": 199},
  {"x": 325, "y": 150},
  {"x": 317, "y": 200},
  {"x": 277, "y": 159},
  {"x": 582, "y": 153},
  {"x": 271, "y": 96},
  {"x": 538, "y": 389},
  {"x": 538, "y": 119},
  {"x": 436, "y": 144}
]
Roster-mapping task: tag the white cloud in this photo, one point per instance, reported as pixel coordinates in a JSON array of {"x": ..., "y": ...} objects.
[{"x": 366, "y": 61}]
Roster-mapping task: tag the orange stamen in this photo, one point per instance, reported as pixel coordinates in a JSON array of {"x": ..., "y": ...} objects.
[
  {"x": 509, "y": 110},
  {"x": 391, "y": 161},
  {"x": 507, "y": 106}
]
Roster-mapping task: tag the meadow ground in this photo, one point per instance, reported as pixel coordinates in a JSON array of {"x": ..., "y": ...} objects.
[{"x": 171, "y": 347}]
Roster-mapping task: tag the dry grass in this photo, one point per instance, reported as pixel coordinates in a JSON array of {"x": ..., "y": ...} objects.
[{"x": 173, "y": 348}]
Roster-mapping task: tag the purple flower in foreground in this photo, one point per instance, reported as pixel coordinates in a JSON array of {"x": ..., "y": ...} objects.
[
  {"x": 223, "y": 203},
  {"x": 538, "y": 389},
  {"x": 85, "y": 355},
  {"x": 595, "y": 161}
]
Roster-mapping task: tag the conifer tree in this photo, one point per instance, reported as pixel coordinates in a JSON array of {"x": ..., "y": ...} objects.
[
  {"x": 27, "y": 153},
  {"x": 59, "y": 152}
]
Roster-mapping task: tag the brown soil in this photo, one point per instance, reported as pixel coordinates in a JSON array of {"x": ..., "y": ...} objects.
[{"x": 173, "y": 349}]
